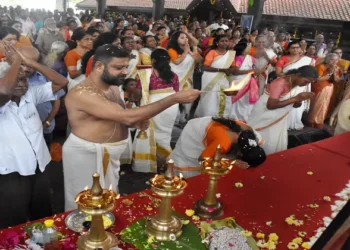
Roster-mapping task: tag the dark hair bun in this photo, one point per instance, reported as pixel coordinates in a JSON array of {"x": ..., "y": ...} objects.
[{"x": 252, "y": 153}]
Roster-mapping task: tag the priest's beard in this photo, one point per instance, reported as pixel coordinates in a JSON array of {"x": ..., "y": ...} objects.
[{"x": 112, "y": 80}]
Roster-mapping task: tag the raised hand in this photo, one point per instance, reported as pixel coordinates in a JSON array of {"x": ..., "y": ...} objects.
[
  {"x": 11, "y": 53},
  {"x": 241, "y": 164},
  {"x": 187, "y": 96}
]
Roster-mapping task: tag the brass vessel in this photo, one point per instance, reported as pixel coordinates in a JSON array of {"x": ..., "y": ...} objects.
[
  {"x": 96, "y": 202},
  {"x": 142, "y": 135},
  {"x": 163, "y": 225},
  {"x": 210, "y": 207}
]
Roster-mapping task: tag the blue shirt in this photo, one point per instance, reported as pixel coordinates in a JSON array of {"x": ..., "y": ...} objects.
[{"x": 44, "y": 109}]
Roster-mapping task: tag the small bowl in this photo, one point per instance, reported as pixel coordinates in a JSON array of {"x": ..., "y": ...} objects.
[
  {"x": 230, "y": 92},
  {"x": 74, "y": 221}
]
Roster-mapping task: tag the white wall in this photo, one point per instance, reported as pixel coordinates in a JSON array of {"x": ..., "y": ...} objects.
[{"x": 36, "y": 4}]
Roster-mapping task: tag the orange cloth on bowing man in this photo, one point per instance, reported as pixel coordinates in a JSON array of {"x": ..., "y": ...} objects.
[{"x": 215, "y": 135}]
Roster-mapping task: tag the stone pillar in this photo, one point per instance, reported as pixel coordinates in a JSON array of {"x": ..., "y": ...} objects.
[
  {"x": 158, "y": 9},
  {"x": 101, "y": 8},
  {"x": 256, "y": 10}
]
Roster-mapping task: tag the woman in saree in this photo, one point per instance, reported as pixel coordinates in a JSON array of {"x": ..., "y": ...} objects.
[
  {"x": 73, "y": 57},
  {"x": 234, "y": 40},
  {"x": 87, "y": 59},
  {"x": 303, "y": 46},
  {"x": 161, "y": 35},
  {"x": 269, "y": 115},
  {"x": 156, "y": 84},
  {"x": 183, "y": 60},
  {"x": 129, "y": 44},
  {"x": 329, "y": 74},
  {"x": 217, "y": 66},
  {"x": 266, "y": 60},
  {"x": 150, "y": 44},
  {"x": 311, "y": 51},
  {"x": 248, "y": 95},
  {"x": 293, "y": 61}
]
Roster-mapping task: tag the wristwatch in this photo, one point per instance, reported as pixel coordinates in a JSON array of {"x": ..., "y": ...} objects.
[{"x": 48, "y": 123}]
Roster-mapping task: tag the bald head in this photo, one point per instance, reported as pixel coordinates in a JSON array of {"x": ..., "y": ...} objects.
[{"x": 30, "y": 53}]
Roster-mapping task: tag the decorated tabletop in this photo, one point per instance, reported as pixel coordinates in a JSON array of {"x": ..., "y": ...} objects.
[{"x": 288, "y": 197}]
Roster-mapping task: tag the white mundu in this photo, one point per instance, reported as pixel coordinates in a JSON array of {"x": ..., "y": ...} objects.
[{"x": 272, "y": 124}]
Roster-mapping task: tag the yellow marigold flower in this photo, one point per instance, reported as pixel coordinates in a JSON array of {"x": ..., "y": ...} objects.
[
  {"x": 185, "y": 222},
  {"x": 306, "y": 245},
  {"x": 290, "y": 220},
  {"x": 150, "y": 240},
  {"x": 297, "y": 240},
  {"x": 149, "y": 208},
  {"x": 271, "y": 245},
  {"x": 327, "y": 198},
  {"x": 189, "y": 212},
  {"x": 302, "y": 234},
  {"x": 313, "y": 205},
  {"x": 195, "y": 217},
  {"x": 298, "y": 223},
  {"x": 261, "y": 244},
  {"x": 273, "y": 237},
  {"x": 238, "y": 184},
  {"x": 292, "y": 245},
  {"x": 246, "y": 233},
  {"x": 260, "y": 235},
  {"x": 310, "y": 173}
]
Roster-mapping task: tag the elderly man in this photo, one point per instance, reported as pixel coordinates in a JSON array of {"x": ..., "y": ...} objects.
[
  {"x": 24, "y": 187},
  {"x": 47, "y": 110}
]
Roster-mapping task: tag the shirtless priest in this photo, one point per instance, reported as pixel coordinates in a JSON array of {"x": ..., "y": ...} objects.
[{"x": 100, "y": 123}]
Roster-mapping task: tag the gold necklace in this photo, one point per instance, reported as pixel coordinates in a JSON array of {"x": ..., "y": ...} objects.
[{"x": 220, "y": 53}]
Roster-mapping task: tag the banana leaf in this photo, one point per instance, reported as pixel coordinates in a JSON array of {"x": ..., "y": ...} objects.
[{"x": 189, "y": 240}]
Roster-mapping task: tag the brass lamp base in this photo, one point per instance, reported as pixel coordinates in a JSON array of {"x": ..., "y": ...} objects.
[
  {"x": 209, "y": 211},
  {"x": 142, "y": 135},
  {"x": 161, "y": 231},
  {"x": 85, "y": 244}
]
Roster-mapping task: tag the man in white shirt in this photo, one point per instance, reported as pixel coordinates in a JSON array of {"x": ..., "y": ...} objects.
[
  {"x": 70, "y": 13},
  {"x": 219, "y": 23},
  {"x": 28, "y": 27},
  {"x": 24, "y": 187}
]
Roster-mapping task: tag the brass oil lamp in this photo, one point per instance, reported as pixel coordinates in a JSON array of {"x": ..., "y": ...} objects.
[
  {"x": 96, "y": 202},
  {"x": 162, "y": 225},
  {"x": 210, "y": 207}
]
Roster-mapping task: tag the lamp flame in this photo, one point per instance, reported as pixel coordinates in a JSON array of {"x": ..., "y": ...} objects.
[
  {"x": 86, "y": 188},
  {"x": 181, "y": 176},
  {"x": 154, "y": 178},
  {"x": 118, "y": 196},
  {"x": 110, "y": 187},
  {"x": 238, "y": 86}
]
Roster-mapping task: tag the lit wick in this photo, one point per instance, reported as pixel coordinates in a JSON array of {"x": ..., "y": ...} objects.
[
  {"x": 154, "y": 178},
  {"x": 240, "y": 84},
  {"x": 110, "y": 187},
  {"x": 86, "y": 188},
  {"x": 118, "y": 196},
  {"x": 181, "y": 176}
]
